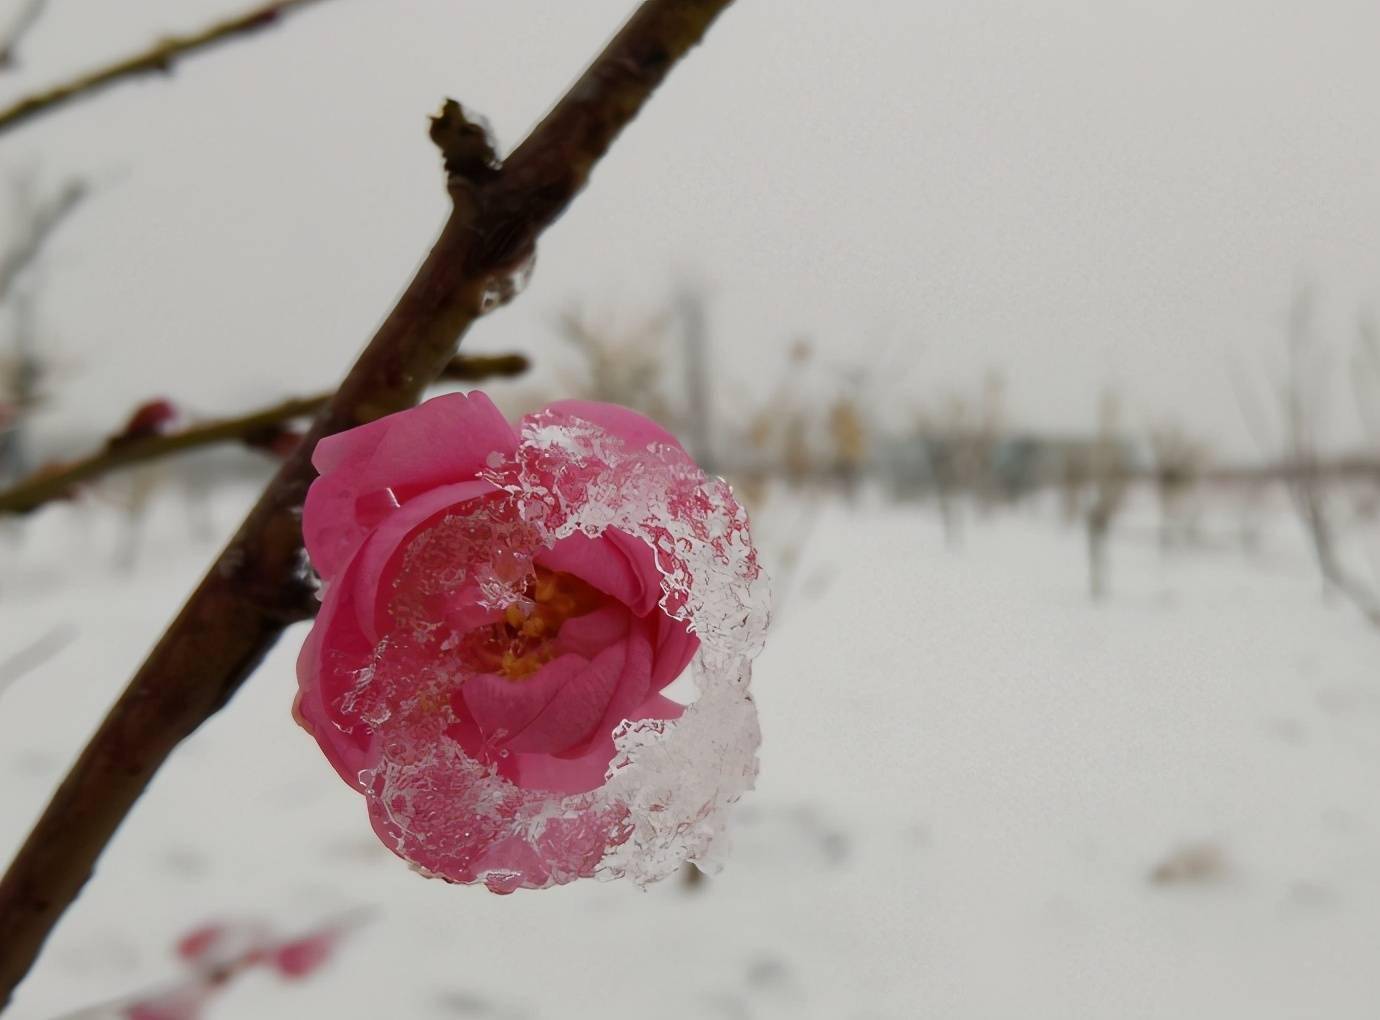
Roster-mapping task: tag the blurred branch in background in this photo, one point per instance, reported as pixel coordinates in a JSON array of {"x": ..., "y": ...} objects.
[
  {"x": 35, "y": 233},
  {"x": 35, "y": 654},
  {"x": 257, "y": 587},
  {"x": 23, "y": 22},
  {"x": 699, "y": 370},
  {"x": 158, "y": 59},
  {"x": 1179, "y": 464},
  {"x": 624, "y": 365},
  {"x": 1303, "y": 400},
  {"x": 1110, "y": 471},
  {"x": 660, "y": 364},
  {"x": 21, "y": 373},
  {"x": 143, "y": 438},
  {"x": 1310, "y": 478}
]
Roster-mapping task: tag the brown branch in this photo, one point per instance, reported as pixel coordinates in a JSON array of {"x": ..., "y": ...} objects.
[
  {"x": 158, "y": 59},
  {"x": 257, "y": 586},
  {"x": 59, "y": 481},
  {"x": 22, "y": 24}
]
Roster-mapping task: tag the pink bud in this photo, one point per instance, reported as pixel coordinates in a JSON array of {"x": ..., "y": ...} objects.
[
  {"x": 150, "y": 418},
  {"x": 198, "y": 942},
  {"x": 298, "y": 958}
]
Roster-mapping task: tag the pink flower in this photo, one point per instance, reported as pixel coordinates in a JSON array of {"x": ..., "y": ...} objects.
[{"x": 498, "y": 606}]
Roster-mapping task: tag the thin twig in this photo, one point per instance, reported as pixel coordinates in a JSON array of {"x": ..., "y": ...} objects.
[
  {"x": 38, "y": 230},
  {"x": 1307, "y": 486},
  {"x": 258, "y": 586},
  {"x": 158, "y": 59},
  {"x": 22, "y": 24},
  {"x": 36, "y": 224},
  {"x": 58, "y": 481},
  {"x": 35, "y": 654}
]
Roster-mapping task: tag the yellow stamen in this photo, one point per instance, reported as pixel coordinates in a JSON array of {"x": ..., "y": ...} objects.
[{"x": 522, "y": 644}]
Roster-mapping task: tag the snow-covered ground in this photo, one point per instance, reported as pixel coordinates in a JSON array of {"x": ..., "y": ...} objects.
[{"x": 969, "y": 775}]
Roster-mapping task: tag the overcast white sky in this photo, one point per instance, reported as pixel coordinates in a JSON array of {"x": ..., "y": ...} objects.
[{"x": 1079, "y": 192}]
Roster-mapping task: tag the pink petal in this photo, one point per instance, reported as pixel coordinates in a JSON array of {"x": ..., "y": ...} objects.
[
  {"x": 564, "y": 775},
  {"x": 502, "y": 708},
  {"x": 634, "y": 683},
  {"x": 675, "y": 647},
  {"x": 353, "y": 446},
  {"x": 571, "y": 716},
  {"x": 348, "y": 749},
  {"x": 643, "y": 561},
  {"x": 584, "y": 772},
  {"x": 330, "y": 527},
  {"x": 442, "y": 440},
  {"x": 588, "y": 635},
  {"x": 596, "y": 562},
  {"x": 378, "y": 550},
  {"x": 445, "y": 439},
  {"x": 368, "y": 470},
  {"x": 616, "y": 563}
]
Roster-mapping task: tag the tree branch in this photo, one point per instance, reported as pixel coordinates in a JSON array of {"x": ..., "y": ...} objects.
[
  {"x": 22, "y": 24},
  {"x": 159, "y": 59},
  {"x": 255, "y": 588},
  {"x": 58, "y": 481},
  {"x": 44, "y": 221}
]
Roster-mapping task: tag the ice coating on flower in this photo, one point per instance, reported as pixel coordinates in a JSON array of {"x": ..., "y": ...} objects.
[{"x": 502, "y": 611}]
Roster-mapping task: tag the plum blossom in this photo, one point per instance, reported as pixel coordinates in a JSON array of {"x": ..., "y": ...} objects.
[{"x": 503, "y": 611}]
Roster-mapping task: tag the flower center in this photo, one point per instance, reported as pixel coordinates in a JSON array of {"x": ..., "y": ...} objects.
[{"x": 524, "y": 642}]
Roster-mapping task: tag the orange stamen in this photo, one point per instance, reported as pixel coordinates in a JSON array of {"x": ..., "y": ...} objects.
[{"x": 524, "y": 642}]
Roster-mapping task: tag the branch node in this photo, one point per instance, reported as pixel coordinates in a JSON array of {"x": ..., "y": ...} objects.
[{"x": 466, "y": 146}]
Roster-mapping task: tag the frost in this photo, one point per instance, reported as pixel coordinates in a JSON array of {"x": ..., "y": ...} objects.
[
  {"x": 673, "y": 778},
  {"x": 669, "y": 782},
  {"x": 677, "y": 778},
  {"x": 570, "y": 476},
  {"x": 503, "y": 287}
]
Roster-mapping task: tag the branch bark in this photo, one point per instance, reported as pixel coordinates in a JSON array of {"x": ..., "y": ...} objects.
[
  {"x": 157, "y": 59},
  {"x": 258, "y": 585},
  {"x": 59, "y": 481}
]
